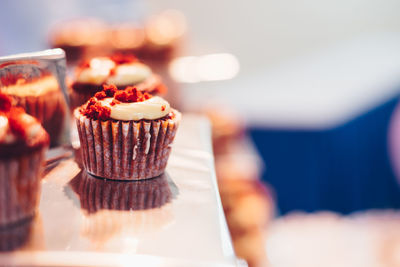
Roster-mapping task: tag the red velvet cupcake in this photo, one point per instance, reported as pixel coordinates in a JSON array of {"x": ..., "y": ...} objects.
[
  {"x": 126, "y": 134},
  {"x": 23, "y": 143},
  {"x": 43, "y": 99},
  {"x": 120, "y": 70}
]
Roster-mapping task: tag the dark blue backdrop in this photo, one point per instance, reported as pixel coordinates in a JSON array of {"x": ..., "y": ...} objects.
[{"x": 342, "y": 169}]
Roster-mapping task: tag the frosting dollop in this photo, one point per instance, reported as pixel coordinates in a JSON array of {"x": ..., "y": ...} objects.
[
  {"x": 126, "y": 105},
  {"x": 16, "y": 125},
  {"x": 113, "y": 70},
  {"x": 36, "y": 87},
  {"x": 150, "y": 109}
]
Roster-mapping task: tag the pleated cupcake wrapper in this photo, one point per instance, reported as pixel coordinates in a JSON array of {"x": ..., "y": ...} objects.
[
  {"x": 20, "y": 187},
  {"x": 126, "y": 150},
  {"x": 49, "y": 109},
  {"x": 96, "y": 194}
]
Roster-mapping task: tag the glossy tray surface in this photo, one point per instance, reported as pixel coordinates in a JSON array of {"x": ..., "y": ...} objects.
[{"x": 172, "y": 220}]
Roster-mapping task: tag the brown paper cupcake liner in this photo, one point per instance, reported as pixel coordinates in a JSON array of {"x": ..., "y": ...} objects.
[
  {"x": 126, "y": 150},
  {"x": 20, "y": 187},
  {"x": 97, "y": 194},
  {"x": 49, "y": 109}
]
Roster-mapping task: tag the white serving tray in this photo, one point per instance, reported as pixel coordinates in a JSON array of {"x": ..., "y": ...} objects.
[{"x": 190, "y": 230}]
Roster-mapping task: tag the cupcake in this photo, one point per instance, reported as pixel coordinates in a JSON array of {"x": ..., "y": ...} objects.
[
  {"x": 101, "y": 194},
  {"x": 248, "y": 209},
  {"x": 43, "y": 99},
  {"x": 23, "y": 143},
  {"x": 120, "y": 70},
  {"x": 126, "y": 38},
  {"x": 164, "y": 33},
  {"x": 80, "y": 38},
  {"x": 126, "y": 134}
]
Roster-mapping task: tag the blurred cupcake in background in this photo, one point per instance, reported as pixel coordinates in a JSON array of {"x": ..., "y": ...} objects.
[
  {"x": 126, "y": 38},
  {"x": 122, "y": 70},
  {"x": 163, "y": 32},
  {"x": 157, "y": 41},
  {"x": 23, "y": 143},
  {"x": 247, "y": 202},
  {"x": 40, "y": 97},
  {"x": 80, "y": 38},
  {"x": 248, "y": 209},
  {"x": 227, "y": 128}
]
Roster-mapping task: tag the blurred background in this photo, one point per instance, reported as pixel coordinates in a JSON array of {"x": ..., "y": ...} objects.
[{"x": 303, "y": 100}]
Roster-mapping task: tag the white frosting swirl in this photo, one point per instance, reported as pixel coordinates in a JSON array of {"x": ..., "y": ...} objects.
[
  {"x": 125, "y": 74},
  {"x": 132, "y": 73},
  {"x": 150, "y": 109},
  {"x": 5, "y": 135},
  {"x": 8, "y": 137},
  {"x": 98, "y": 71},
  {"x": 34, "y": 88}
]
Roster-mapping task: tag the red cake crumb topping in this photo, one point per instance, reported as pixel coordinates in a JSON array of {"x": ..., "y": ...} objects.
[
  {"x": 114, "y": 102},
  {"x": 93, "y": 108},
  {"x": 123, "y": 58},
  {"x": 18, "y": 126},
  {"x": 117, "y": 58},
  {"x": 131, "y": 95},
  {"x": 10, "y": 79},
  {"x": 113, "y": 71},
  {"x": 162, "y": 108},
  {"x": 100, "y": 95},
  {"x": 20, "y": 79},
  {"x": 84, "y": 64},
  {"x": 110, "y": 90}
]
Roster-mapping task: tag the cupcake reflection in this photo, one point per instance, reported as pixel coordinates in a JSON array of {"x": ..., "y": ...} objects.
[
  {"x": 99, "y": 194},
  {"x": 109, "y": 221}
]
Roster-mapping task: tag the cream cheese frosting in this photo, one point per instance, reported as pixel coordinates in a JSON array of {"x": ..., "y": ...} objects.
[
  {"x": 150, "y": 109},
  {"x": 99, "y": 72},
  {"x": 34, "y": 88},
  {"x": 5, "y": 135},
  {"x": 8, "y": 137}
]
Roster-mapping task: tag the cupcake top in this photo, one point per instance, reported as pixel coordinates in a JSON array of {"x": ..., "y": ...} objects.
[
  {"x": 21, "y": 87},
  {"x": 129, "y": 104},
  {"x": 120, "y": 70},
  {"x": 18, "y": 129}
]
